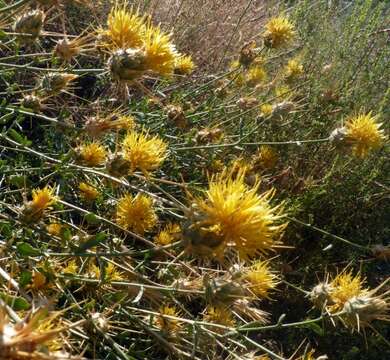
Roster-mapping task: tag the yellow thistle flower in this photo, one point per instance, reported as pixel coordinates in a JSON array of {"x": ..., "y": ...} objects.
[
  {"x": 136, "y": 213},
  {"x": 43, "y": 198},
  {"x": 111, "y": 273},
  {"x": 363, "y": 134},
  {"x": 283, "y": 92},
  {"x": 266, "y": 158},
  {"x": 168, "y": 325},
  {"x": 184, "y": 65},
  {"x": 144, "y": 152},
  {"x": 344, "y": 287},
  {"x": 70, "y": 268},
  {"x": 219, "y": 315},
  {"x": 293, "y": 69},
  {"x": 168, "y": 235},
  {"x": 160, "y": 53},
  {"x": 125, "y": 29},
  {"x": 54, "y": 229},
  {"x": 92, "y": 154},
  {"x": 255, "y": 76},
  {"x": 231, "y": 214},
  {"x": 88, "y": 192},
  {"x": 38, "y": 281},
  {"x": 55, "y": 82},
  {"x": 261, "y": 279},
  {"x": 266, "y": 109},
  {"x": 278, "y": 32}
]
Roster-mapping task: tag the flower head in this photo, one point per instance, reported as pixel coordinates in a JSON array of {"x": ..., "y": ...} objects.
[
  {"x": 168, "y": 325},
  {"x": 233, "y": 215},
  {"x": 266, "y": 158},
  {"x": 363, "y": 134},
  {"x": 184, "y": 65},
  {"x": 125, "y": 29},
  {"x": 255, "y": 75},
  {"x": 219, "y": 315},
  {"x": 43, "y": 198},
  {"x": 136, "y": 213},
  {"x": 279, "y": 32},
  {"x": 344, "y": 287},
  {"x": 144, "y": 152},
  {"x": 168, "y": 235},
  {"x": 29, "y": 25},
  {"x": 161, "y": 55},
  {"x": 293, "y": 69},
  {"x": 260, "y": 278},
  {"x": 88, "y": 192},
  {"x": 92, "y": 154}
]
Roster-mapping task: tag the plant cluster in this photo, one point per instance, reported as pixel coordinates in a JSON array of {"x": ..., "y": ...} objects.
[{"x": 150, "y": 210}]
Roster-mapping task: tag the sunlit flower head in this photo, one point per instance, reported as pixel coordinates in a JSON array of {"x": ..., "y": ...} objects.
[
  {"x": 344, "y": 287},
  {"x": 363, "y": 134},
  {"x": 111, "y": 272},
  {"x": 168, "y": 234},
  {"x": 145, "y": 152},
  {"x": 184, "y": 65},
  {"x": 160, "y": 52},
  {"x": 43, "y": 198},
  {"x": 278, "y": 32},
  {"x": 29, "y": 26},
  {"x": 255, "y": 75},
  {"x": 266, "y": 158},
  {"x": 125, "y": 28},
  {"x": 233, "y": 215},
  {"x": 92, "y": 154},
  {"x": 169, "y": 326},
  {"x": 261, "y": 279},
  {"x": 88, "y": 192},
  {"x": 219, "y": 315},
  {"x": 266, "y": 109},
  {"x": 293, "y": 69},
  {"x": 54, "y": 229},
  {"x": 55, "y": 82},
  {"x": 136, "y": 213}
]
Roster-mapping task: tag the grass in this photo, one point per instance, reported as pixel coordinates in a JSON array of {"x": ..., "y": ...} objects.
[{"x": 157, "y": 291}]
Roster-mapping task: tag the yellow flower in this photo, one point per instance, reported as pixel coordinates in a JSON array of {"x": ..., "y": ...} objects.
[
  {"x": 184, "y": 65},
  {"x": 54, "y": 229},
  {"x": 43, "y": 198},
  {"x": 160, "y": 53},
  {"x": 255, "y": 75},
  {"x": 125, "y": 29},
  {"x": 283, "y": 92},
  {"x": 363, "y": 134},
  {"x": 38, "y": 281},
  {"x": 266, "y": 109},
  {"x": 136, "y": 213},
  {"x": 261, "y": 278},
  {"x": 266, "y": 158},
  {"x": 88, "y": 192},
  {"x": 293, "y": 69},
  {"x": 144, "y": 152},
  {"x": 92, "y": 154},
  {"x": 168, "y": 235},
  {"x": 219, "y": 315},
  {"x": 344, "y": 287},
  {"x": 279, "y": 32},
  {"x": 165, "y": 324},
  {"x": 70, "y": 268},
  {"x": 111, "y": 273},
  {"x": 231, "y": 214}
]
